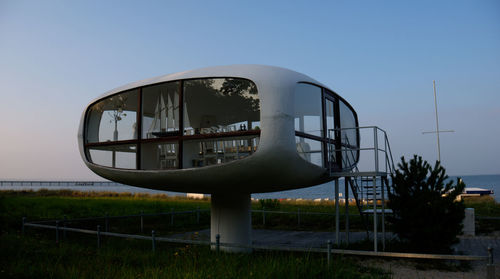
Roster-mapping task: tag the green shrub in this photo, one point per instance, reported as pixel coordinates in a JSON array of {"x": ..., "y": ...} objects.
[
  {"x": 269, "y": 203},
  {"x": 426, "y": 213}
]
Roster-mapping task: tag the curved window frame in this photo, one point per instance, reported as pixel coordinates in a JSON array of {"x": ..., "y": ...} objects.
[
  {"x": 177, "y": 137},
  {"x": 327, "y": 94}
]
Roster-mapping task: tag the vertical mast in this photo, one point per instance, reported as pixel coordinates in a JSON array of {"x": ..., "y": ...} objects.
[{"x": 437, "y": 121}]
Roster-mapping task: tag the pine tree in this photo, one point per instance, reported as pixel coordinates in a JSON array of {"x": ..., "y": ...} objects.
[{"x": 426, "y": 214}]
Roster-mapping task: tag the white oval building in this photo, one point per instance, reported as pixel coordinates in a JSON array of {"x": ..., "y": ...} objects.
[{"x": 227, "y": 131}]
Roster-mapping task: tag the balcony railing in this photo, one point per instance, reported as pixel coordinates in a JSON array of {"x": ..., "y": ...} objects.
[{"x": 371, "y": 155}]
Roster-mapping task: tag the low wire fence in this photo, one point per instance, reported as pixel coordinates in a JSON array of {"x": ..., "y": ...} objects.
[
  {"x": 263, "y": 217},
  {"x": 67, "y": 183},
  {"x": 61, "y": 227}
]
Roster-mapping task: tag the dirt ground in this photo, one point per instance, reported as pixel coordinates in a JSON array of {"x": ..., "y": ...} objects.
[
  {"x": 399, "y": 268},
  {"x": 411, "y": 270}
]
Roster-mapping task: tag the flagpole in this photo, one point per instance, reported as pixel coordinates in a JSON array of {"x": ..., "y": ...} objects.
[
  {"x": 437, "y": 131},
  {"x": 437, "y": 122}
]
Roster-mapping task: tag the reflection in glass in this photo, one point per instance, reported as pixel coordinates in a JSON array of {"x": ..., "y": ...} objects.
[
  {"x": 160, "y": 110},
  {"x": 220, "y": 105},
  {"x": 113, "y": 118},
  {"x": 160, "y": 156},
  {"x": 210, "y": 106},
  {"x": 307, "y": 102},
  {"x": 218, "y": 151},
  {"x": 349, "y": 137},
  {"x": 310, "y": 150},
  {"x": 115, "y": 156},
  {"x": 330, "y": 118}
]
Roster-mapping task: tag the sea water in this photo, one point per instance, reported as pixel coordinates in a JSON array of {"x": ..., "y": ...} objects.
[
  {"x": 327, "y": 190},
  {"x": 323, "y": 191}
]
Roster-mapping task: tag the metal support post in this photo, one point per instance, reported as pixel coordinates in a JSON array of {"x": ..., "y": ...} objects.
[
  {"x": 374, "y": 199},
  {"x": 382, "y": 191},
  {"x": 64, "y": 227},
  {"x": 328, "y": 251},
  {"x": 337, "y": 213},
  {"x": 57, "y": 232},
  {"x": 263, "y": 216},
  {"x": 171, "y": 216},
  {"x": 197, "y": 215},
  {"x": 387, "y": 167},
  {"x": 217, "y": 243},
  {"x": 142, "y": 221},
  {"x": 106, "y": 223},
  {"x": 298, "y": 217},
  {"x": 98, "y": 236},
  {"x": 22, "y": 228},
  {"x": 375, "y": 148},
  {"x": 153, "y": 240},
  {"x": 490, "y": 267},
  {"x": 346, "y": 193}
]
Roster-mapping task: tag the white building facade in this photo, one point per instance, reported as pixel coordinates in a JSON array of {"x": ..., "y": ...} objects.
[{"x": 227, "y": 131}]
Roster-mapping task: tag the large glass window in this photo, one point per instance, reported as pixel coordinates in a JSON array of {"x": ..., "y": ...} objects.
[
  {"x": 330, "y": 118},
  {"x": 218, "y": 151},
  {"x": 221, "y": 123},
  {"x": 319, "y": 114},
  {"x": 308, "y": 119},
  {"x": 113, "y": 119},
  {"x": 349, "y": 137},
  {"x": 116, "y": 156},
  {"x": 310, "y": 150},
  {"x": 160, "y": 156},
  {"x": 160, "y": 110},
  {"x": 220, "y": 105},
  {"x": 308, "y": 112}
]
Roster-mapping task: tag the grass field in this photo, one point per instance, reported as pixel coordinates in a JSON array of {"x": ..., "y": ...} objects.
[
  {"x": 35, "y": 255},
  {"x": 38, "y": 257},
  {"x": 488, "y": 207},
  {"x": 57, "y": 204}
]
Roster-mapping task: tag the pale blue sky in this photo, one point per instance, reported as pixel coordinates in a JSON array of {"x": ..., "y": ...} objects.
[{"x": 56, "y": 56}]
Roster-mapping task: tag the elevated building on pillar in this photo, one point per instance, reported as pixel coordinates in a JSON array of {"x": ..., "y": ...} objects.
[{"x": 227, "y": 131}]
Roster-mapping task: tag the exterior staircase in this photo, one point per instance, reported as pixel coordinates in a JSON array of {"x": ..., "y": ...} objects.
[{"x": 368, "y": 182}]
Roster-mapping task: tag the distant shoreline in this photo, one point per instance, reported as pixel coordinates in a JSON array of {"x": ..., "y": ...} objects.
[{"x": 323, "y": 191}]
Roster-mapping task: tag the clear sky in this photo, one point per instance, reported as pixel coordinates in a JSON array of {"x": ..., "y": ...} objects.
[{"x": 56, "y": 56}]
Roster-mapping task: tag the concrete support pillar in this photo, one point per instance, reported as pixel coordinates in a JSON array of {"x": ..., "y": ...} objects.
[{"x": 231, "y": 219}]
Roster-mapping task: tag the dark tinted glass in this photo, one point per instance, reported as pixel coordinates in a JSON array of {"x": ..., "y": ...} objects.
[
  {"x": 116, "y": 156},
  {"x": 160, "y": 110},
  {"x": 113, "y": 118},
  {"x": 307, "y": 103},
  {"x": 160, "y": 156},
  {"x": 220, "y": 105},
  {"x": 349, "y": 135}
]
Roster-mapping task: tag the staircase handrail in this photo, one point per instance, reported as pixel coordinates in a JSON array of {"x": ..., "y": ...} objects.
[
  {"x": 389, "y": 161},
  {"x": 391, "y": 165}
]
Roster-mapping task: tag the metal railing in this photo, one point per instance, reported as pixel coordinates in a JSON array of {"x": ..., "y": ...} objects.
[
  {"x": 375, "y": 147},
  {"x": 263, "y": 212},
  {"x": 57, "y": 183},
  {"x": 344, "y": 161},
  {"x": 60, "y": 227},
  {"x": 155, "y": 238}
]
